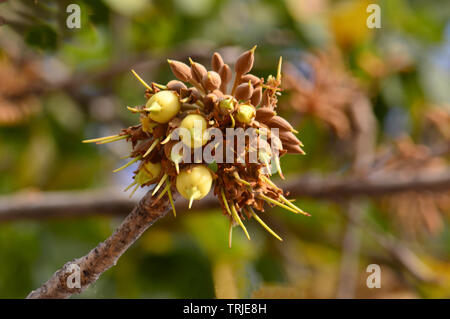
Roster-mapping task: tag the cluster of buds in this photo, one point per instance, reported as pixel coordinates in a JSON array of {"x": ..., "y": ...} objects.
[
  {"x": 439, "y": 118},
  {"x": 326, "y": 92},
  {"x": 198, "y": 102},
  {"x": 20, "y": 80},
  {"x": 416, "y": 213}
]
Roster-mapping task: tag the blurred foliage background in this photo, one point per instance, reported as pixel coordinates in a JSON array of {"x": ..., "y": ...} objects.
[{"x": 59, "y": 86}]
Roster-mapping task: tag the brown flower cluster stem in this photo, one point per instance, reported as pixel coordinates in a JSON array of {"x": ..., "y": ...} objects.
[{"x": 106, "y": 254}]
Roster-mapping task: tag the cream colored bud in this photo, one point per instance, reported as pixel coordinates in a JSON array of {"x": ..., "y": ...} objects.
[
  {"x": 163, "y": 106},
  {"x": 245, "y": 113},
  {"x": 227, "y": 105},
  {"x": 196, "y": 125},
  {"x": 148, "y": 172},
  {"x": 194, "y": 183},
  {"x": 147, "y": 124}
]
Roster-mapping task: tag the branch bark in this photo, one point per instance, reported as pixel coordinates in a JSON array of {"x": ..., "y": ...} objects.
[{"x": 106, "y": 254}]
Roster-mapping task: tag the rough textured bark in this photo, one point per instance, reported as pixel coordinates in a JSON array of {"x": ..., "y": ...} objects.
[{"x": 107, "y": 253}]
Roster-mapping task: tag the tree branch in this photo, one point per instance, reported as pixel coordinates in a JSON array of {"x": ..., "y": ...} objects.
[
  {"x": 107, "y": 202},
  {"x": 106, "y": 254}
]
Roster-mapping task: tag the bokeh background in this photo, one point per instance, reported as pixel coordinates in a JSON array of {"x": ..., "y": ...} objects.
[{"x": 59, "y": 86}]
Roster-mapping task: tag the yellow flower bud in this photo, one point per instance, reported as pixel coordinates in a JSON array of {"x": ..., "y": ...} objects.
[
  {"x": 245, "y": 113},
  {"x": 163, "y": 106},
  {"x": 147, "y": 124},
  {"x": 196, "y": 125},
  {"x": 227, "y": 105},
  {"x": 148, "y": 172},
  {"x": 194, "y": 183}
]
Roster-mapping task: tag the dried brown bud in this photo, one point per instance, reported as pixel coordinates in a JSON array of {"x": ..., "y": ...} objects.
[
  {"x": 288, "y": 138},
  {"x": 210, "y": 100},
  {"x": 218, "y": 93},
  {"x": 244, "y": 91},
  {"x": 293, "y": 149},
  {"x": 159, "y": 131},
  {"x": 195, "y": 93},
  {"x": 225, "y": 75},
  {"x": 264, "y": 114},
  {"x": 216, "y": 62},
  {"x": 265, "y": 102},
  {"x": 168, "y": 148},
  {"x": 192, "y": 93},
  {"x": 257, "y": 96},
  {"x": 181, "y": 71},
  {"x": 197, "y": 71},
  {"x": 211, "y": 81},
  {"x": 245, "y": 61},
  {"x": 252, "y": 78},
  {"x": 175, "y": 85},
  {"x": 280, "y": 123}
]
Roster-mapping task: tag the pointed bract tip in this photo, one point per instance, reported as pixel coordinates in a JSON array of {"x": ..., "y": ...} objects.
[
  {"x": 280, "y": 61},
  {"x": 132, "y": 109},
  {"x": 191, "y": 200},
  {"x": 154, "y": 107},
  {"x": 141, "y": 80}
]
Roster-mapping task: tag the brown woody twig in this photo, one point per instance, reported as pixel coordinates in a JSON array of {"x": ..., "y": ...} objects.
[{"x": 106, "y": 254}]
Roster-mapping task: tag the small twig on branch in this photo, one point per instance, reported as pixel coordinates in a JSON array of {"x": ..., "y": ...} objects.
[
  {"x": 350, "y": 251},
  {"x": 106, "y": 254},
  {"x": 398, "y": 251},
  {"x": 364, "y": 141}
]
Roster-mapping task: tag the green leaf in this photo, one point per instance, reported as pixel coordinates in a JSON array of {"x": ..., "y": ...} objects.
[
  {"x": 42, "y": 36},
  {"x": 213, "y": 166}
]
